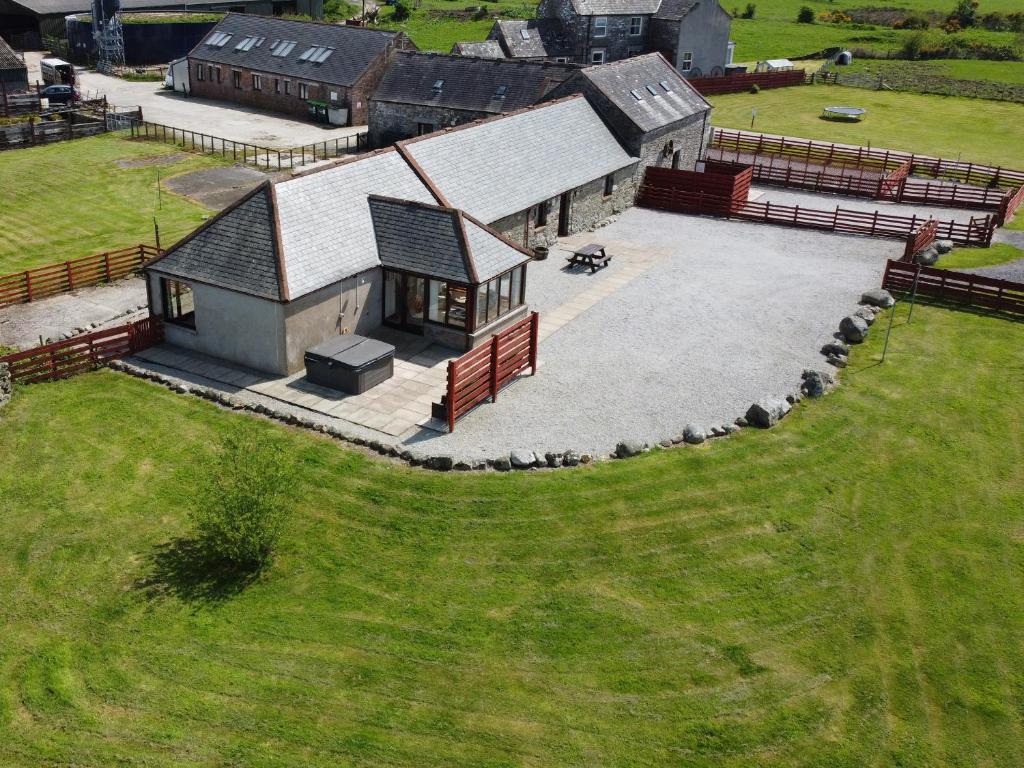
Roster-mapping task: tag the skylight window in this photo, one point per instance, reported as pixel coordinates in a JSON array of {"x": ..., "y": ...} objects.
[
  {"x": 282, "y": 47},
  {"x": 501, "y": 91},
  {"x": 664, "y": 84},
  {"x": 525, "y": 34},
  {"x": 248, "y": 43},
  {"x": 218, "y": 39},
  {"x": 636, "y": 95},
  {"x": 438, "y": 85},
  {"x": 321, "y": 56},
  {"x": 308, "y": 53},
  {"x": 651, "y": 90}
]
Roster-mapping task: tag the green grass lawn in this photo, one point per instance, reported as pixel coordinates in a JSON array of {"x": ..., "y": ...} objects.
[
  {"x": 967, "y": 258},
  {"x": 960, "y": 69},
  {"x": 71, "y": 199},
  {"x": 846, "y": 590},
  {"x": 978, "y": 131}
]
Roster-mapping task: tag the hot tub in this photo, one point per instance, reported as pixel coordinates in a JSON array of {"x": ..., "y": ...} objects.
[{"x": 352, "y": 364}]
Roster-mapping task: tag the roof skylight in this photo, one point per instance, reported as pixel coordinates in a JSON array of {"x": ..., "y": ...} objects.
[
  {"x": 636, "y": 95},
  {"x": 500, "y": 92},
  {"x": 248, "y": 43},
  {"x": 664, "y": 84},
  {"x": 438, "y": 85},
  {"x": 218, "y": 39},
  {"x": 524, "y": 33},
  {"x": 651, "y": 90},
  {"x": 282, "y": 47}
]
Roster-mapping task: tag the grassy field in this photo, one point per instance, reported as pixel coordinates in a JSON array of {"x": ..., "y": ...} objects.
[
  {"x": 937, "y": 125},
  {"x": 967, "y": 258},
  {"x": 960, "y": 69},
  {"x": 72, "y": 199},
  {"x": 846, "y": 590}
]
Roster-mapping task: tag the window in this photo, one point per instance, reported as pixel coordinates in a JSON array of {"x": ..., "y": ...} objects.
[
  {"x": 277, "y": 85},
  {"x": 524, "y": 34},
  {"x": 651, "y": 90},
  {"x": 179, "y": 304},
  {"x": 257, "y": 83},
  {"x": 664, "y": 84},
  {"x": 248, "y": 43},
  {"x": 561, "y": 59},
  {"x": 334, "y": 95},
  {"x": 500, "y": 91},
  {"x": 199, "y": 72},
  {"x": 540, "y": 214},
  {"x": 422, "y": 129},
  {"x": 438, "y": 86},
  {"x": 217, "y": 70},
  {"x": 218, "y": 39},
  {"x": 686, "y": 62},
  {"x": 597, "y": 56},
  {"x": 446, "y": 303},
  {"x": 636, "y": 94},
  {"x": 600, "y": 26},
  {"x": 287, "y": 87},
  {"x": 636, "y": 26},
  {"x": 609, "y": 184},
  {"x": 303, "y": 91},
  {"x": 236, "y": 78},
  {"x": 499, "y": 296},
  {"x": 281, "y": 47}
]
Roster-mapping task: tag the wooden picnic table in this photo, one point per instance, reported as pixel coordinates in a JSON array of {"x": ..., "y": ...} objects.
[{"x": 590, "y": 255}]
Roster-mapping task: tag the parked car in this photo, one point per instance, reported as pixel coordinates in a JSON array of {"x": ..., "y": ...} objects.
[{"x": 58, "y": 94}]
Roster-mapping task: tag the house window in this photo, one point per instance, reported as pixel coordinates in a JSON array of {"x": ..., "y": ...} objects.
[
  {"x": 334, "y": 95},
  {"x": 200, "y": 72},
  {"x": 636, "y": 26},
  {"x": 631, "y": 52},
  {"x": 686, "y": 62},
  {"x": 446, "y": 303},
  {"x": 600, "y": 26},
  {"x": 609, "y": 184},
  {"x": 540, "y": 215},
  {"x": 597, "y": 56},
  {"x": 217, "y": 70},
  {"x": 303, "y": 91},
  {"x": 277, "y": 85},
  {"x": 236, "y": 78},
  {"x": 179, "y": 304},
  {"x": 257, "y": 83},
  {"x": 287, "y": 87},
  {"x": 422, "y": 129},
  {"x": 499, "y": 296},
  {"x": 561, "y": 59}
]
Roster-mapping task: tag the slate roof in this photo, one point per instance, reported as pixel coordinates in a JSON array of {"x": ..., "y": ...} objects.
[
  {"x": 326, "y": 230},
  {"x": 468, "y": 83},
  {"x": 505, "y": 165},
  {"x": 236, "y": 250},
  {"x": 8, "y": 58},
  {"x": 545, "y": 38},
  {"x": 674, "y": 10},
  {"x": 428, "y": 240},
  {"x": 64, "y": 7},
  {"x": 484, "y": 49},
  {"x": 619, "y": 81},
  {"x": 354, "y": 47},
  {"x": 615, "y": 7}
]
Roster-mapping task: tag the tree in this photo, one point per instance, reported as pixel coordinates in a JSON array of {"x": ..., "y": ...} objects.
[
  {"x": 241, "y": 500},
  {"x": 402, "y": 11},
  {"x": 806, "y": 15},
  {"x": 964, "y": 14}
]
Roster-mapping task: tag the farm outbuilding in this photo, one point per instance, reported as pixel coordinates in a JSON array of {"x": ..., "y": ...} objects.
[{"x": 13, "y": 73}]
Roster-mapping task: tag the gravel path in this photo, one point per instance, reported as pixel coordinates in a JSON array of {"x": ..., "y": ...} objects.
[
  {"x": 1012, "y": 270},
  {"x": 733, "y": 313},
  {"x": 829, "y": 202}
]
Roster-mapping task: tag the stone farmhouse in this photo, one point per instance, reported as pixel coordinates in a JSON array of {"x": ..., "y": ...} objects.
[
  {"x": 424, "y": 92},
  {"x": 296, "y": 67},
  {"x": 431, "y": 236},
  {"x": 692, "y": 35}
]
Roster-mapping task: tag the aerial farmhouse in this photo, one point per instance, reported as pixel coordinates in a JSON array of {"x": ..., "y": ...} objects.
[
  {"x": 327, "y": 71},
  {"x": 424, "y": 92}
]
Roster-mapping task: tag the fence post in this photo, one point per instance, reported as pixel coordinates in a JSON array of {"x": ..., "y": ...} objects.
[
  {"x": 494, "y": 368},
  {"x": 106, "y": 265},
  {"x": 534, "y": 335},
  {"x": 451, "y": 396},
  {"x": 28, "y": 283},
  {"x": 70, "y": 274}
]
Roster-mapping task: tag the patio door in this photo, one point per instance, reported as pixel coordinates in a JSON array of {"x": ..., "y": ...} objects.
[{"x": 404, "y": 301}]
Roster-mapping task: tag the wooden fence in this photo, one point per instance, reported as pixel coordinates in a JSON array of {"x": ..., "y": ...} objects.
[
  {"x": 262, "y": 157},
  {"x": 83, "y": 353},
  {"x": 1010, "y": 205},
  {"x": 727, "y": 183},
  {"x": 955, "y": 287},
  {"x": 824, "y": 153},
  {"x": 482, "y": 372},
  {"x": 32, "y": 284},
  {"x": 875, "y": 224},
  {"x": 710, "y": 86},
  {"x": 920, "y": 239}
]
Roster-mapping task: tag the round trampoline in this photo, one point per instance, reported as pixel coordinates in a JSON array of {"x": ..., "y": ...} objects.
[{"x": 844, "y": 113}]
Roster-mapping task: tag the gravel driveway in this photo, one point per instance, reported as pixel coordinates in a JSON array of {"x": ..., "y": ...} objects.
[
  {"x": 728, "y": 313},
  {"x": 829, "y": 202}
]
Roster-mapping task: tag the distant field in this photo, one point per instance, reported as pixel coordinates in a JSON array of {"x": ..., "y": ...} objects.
[
  {"x": 71, "y": 199},
  {"x": 981, "y": 131},
  {"x": 961, "y": 69}
]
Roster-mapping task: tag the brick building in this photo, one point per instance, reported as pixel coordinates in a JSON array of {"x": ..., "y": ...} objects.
[
  {"x": 296, "y": 67},
  {"x": 424, "y": 92}
]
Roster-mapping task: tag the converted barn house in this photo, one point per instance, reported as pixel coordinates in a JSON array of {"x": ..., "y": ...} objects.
[
  {"x": 424, "y": 92},
  {"x": 429, "y": 236},
  {"x": 327, "y": 71}
]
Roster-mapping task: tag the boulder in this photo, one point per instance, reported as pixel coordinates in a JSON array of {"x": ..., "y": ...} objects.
[
  {"x": 522, "y": 459},
  {"x": 553, "y": 460},
  {"x": 767, "y": 413},
  {"x": 719, "y": 431},
  {"x": 731, "y": 429},
  {"x": 865, "y": 314},
  {"x": 836, "y": 347},
  {"x": 440, "y": 463},
  {"x": 839, "y": 361},
  {"x": 665, "y": 443},
  {"x": 694, "y": 435},
  {"x": 570, "y": 458},
  {"x": 878, "y": 297},
  {"x": 461, "y": 466},
  {"x": 628, "y": 448},
  {"x": 853, "y": 328},
  {"x": 586, "y": 458},
  {"x": 677, "y": 439},
  {"x": 741, "y": 421},
  {"x": 943, "y": 246},
  {"x": 502, "y": 464},
  {"x": 927, "y": 257},
  {"x": 818, "y": 383}
]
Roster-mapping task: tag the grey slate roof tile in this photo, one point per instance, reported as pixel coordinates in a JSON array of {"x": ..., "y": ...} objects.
[
  {"x": 614, "y": 7},
  {"x": 468, "y": 83},
  {"x": 619, "y": 79},
  {"x": 674, "y": 10},
  {"x": 8, "y": 58},
  {"x": 491, "y": 255},
  {"x": 500, "y": 167},
  {"x": 236, "y": 251},
  {"x": 354, "y": 47},
  {"x": 545, "y": 38},
  {"x": 483, "y": 49}
]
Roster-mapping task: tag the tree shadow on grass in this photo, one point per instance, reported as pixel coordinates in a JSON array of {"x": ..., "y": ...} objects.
[{"x": 184, "y": 569}]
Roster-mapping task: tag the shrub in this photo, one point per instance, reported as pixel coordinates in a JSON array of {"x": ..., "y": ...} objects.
[
  {"x": 806, "y": 15},
  {"x": 402, "y": 11},
  {"x": 912, "y": 46},
  {"x": 749, "y": 11},
  {"x": 755, "y": 88},
  {"x": 964, "y": 14},
  {"x": 240, "y": 503},
  {"x": 913, "y": 21}
]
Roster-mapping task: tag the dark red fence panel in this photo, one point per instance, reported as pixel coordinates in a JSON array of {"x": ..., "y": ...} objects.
[
  {"x": 710, "y": 86},
  {"x": 957, "y": 287},
  {"x": 481, "y": 373},
  {"x": 1009, "y": 206},
  {"x": 922, "y": 238}
]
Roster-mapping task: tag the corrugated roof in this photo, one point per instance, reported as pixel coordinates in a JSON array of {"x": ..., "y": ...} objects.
[
  {"x": 236, "y": 250},
  {"x": 533, "y": 38},
  {"x": 477, "y": 85},
  {"x": 629, "y": 83},
  {"x": 504, "y": 165},
  {"x": 325, "y": 224},
  {"x": 349, "y": 50},
  {"x": 8, "y": 58},
  {"x": 484, "y": 49},
  {"x": 615, "y": 7}
]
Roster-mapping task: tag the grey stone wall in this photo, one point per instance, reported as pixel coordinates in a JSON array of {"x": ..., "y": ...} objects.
[
  {"x": 389, "y": 122},
  {"x": 617, "y": 43},
  {"x": 687, "y": 138}
]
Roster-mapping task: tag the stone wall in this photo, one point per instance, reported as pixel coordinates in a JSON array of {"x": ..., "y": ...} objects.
[
  {"x": 687, "y": 140},
  {"x": 389, "y": 122},
  {"x": 617, "y": 43}
]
